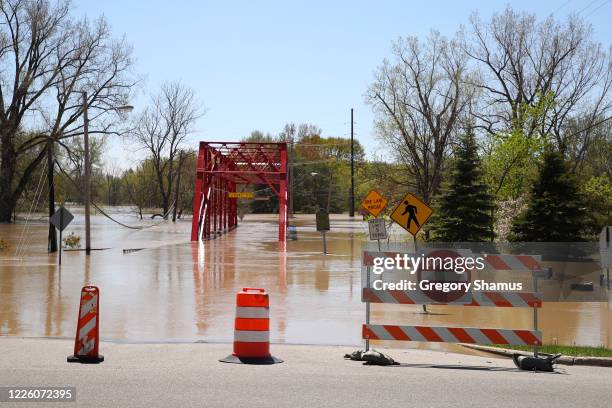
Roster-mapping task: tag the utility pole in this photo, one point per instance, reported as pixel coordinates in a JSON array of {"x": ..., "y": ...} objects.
[
  {"x": 52, "y": 241},
  {"x": 291, "y": 176},
  {"x": 352, "y": 194},
  {"x": 87, "y": 176},
  {"x": 87, "y": 170},
  {"x": 178, "y": 186}
]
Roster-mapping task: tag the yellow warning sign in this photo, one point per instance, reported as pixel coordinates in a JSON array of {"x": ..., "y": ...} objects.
[
  {"x": 374, "y": 203},
  {"x": 242, "y": 194},
  {"x": 411, "y": 214}
]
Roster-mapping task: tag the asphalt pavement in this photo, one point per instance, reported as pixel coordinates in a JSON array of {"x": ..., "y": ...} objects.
[{"x": 190, "y": 375}]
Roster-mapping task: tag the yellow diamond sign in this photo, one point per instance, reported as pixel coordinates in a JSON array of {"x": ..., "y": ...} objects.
[
  {"x": 411, "y": 214},
  {"x": 374, "y": 203}
]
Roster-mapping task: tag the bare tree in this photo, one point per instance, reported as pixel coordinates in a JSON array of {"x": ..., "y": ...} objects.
[
  {"x": 161, "y": 130},
  {"x": 46, "y": 59},
  {"x": 29, "y": 45},
  {"x": 521, "y": 61},
  {"x": 101, "y": 67},
  {"x": 420, "y": 99}
]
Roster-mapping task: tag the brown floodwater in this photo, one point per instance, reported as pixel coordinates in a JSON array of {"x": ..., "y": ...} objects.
[{"x": 175, "y": 290}]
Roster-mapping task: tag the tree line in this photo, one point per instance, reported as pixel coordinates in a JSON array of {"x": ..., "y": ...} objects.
[
  {"x": 319, "y": 170},
  {"x": 56, "y": 68},
  {"x": 499, "y": 126},
  {"x": 477, "y": 125}
]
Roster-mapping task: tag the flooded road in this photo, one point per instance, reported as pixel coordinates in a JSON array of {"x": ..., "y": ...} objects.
[{"x": 175, "y": 290}]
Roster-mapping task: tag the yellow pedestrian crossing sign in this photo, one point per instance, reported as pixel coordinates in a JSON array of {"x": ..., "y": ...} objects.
[{"x": 411, "y": 214}]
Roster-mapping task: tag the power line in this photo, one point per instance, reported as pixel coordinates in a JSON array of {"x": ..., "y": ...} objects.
[
  {"x": 600, "y": 6},
  {"x": 22, "y": 244},
  {"x": 561, "y": 6},
  {"x": 587, "y": 6},
  {"x": 139, "y": 227}
]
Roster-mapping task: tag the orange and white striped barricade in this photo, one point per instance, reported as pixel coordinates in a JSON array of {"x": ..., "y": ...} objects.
[
  {"x": 452, "y": 334},
  {"x": 479, "y": 298},
  {"x": 88, "y": 334},
  {"x": 252, "y": 329},
  {"x": 494, "y": 262},
  {"x": 507, "y": 262}
]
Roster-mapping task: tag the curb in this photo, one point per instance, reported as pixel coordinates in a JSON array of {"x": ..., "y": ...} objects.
[{"x": 564, "y": 360}]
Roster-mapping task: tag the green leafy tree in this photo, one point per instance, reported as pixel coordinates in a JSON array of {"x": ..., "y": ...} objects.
[
  {"x": 597, "y": 192},
  {"x": 138, "y": 188},
  {"x": 319, "y": 170},
  {"x": 555, "y": 212},
  {"x": 509, "y": 164},
  {"x": 465, "y": 207}
]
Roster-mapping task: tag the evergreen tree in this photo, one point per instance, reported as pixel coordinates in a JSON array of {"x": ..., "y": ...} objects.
[
  {"x": 464, "y": 213},
  {"x": 555, "y": 212}
]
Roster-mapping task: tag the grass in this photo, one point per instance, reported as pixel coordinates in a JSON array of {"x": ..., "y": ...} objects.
[{"x": 575, "y": 351}]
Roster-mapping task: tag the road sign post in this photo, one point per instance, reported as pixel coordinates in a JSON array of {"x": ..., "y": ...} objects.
[
  {"x": 367, "y": 342},
  {"x": 535, "y": 314},
  {"x": 605, "y": 252},
  {"x": 60, "y": 220},
  {"x": 323, "y": 226},
  {"x": 324, "y": 243}
]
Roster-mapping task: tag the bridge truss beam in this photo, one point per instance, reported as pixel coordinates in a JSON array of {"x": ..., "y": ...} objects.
[{"x": 224, "y": 167}]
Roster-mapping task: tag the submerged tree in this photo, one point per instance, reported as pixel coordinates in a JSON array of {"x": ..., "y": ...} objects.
[
  {"x": 47, "y": 59},
  {"x": 161, "y": 131},
  {"x": 465, "y": 208},
  {"x": 555, "y": 212}
]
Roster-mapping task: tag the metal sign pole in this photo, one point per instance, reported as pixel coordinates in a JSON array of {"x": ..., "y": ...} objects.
[
  {"x": 324, "y": 243},
  {"x": 61, "y": 230},
  {"x": 535, "y": 314},
  {"x": 416, "y": 250},
  {"x": 367, "y": 347}
]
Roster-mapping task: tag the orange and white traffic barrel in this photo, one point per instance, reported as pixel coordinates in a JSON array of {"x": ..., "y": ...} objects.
[
  {"x": 252, "y": 329},
  {"x": 87, "y": 336}
]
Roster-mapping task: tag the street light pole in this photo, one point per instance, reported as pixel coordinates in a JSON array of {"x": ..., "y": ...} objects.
[
  {"x": 352, "y": 195},
  {"x": 87, "y": 175}
]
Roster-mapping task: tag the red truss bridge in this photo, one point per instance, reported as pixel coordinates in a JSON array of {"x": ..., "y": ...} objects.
[{"x": 225, "y": 167}]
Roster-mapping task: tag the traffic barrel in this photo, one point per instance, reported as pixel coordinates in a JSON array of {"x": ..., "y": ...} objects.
[
  {"x": 87, "y": 334},
  {"x": 252, "y": 329}
]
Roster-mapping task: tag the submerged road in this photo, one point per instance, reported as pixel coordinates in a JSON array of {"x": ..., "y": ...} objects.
[
  {"x": 189, "y": 375},
  {"x": 178, "y": 291}
]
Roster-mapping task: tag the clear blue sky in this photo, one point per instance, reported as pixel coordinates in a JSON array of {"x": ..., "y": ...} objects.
[{"x": 261, "y": 64}]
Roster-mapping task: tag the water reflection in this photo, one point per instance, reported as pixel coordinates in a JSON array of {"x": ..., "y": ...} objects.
[{"x": 177, "y": 290}]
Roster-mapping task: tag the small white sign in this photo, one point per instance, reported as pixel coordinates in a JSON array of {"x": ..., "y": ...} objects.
[
  {"x": 605, "y": 247},
  {"x": 377, "y": 229}
]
